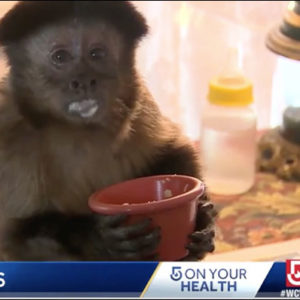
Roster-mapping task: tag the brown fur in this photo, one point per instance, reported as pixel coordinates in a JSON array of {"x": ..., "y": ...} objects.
[
  {"x": 71, "y": 160},
  {"x": 27, "y": 16},
  {"x": 58, "y": 168}
]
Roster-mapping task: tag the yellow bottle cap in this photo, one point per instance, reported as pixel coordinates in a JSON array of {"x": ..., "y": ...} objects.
[
  {"x": 231, "y": 88},
  {"x": 230, "y": 91}
]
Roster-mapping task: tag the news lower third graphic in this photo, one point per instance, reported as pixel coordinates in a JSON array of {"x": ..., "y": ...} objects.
[{"x": 165, "y": 280}]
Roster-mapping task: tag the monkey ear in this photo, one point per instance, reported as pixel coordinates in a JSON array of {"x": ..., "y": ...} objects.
[{"x": 28, "y": 16}]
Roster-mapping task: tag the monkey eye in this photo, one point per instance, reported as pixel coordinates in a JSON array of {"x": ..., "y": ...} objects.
[
  {"x": 61, "y": 56},
  {"x": 97, "y": 53}
]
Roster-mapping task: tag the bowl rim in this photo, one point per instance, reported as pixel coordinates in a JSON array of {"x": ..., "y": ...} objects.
[{"x": 142, "y": 208}]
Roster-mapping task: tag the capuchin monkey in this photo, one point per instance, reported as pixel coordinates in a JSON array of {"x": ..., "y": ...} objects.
[{"x": 75, "y": 117}]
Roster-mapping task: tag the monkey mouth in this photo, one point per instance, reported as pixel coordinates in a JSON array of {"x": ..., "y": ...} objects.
[{"x": 85, "y": 108}]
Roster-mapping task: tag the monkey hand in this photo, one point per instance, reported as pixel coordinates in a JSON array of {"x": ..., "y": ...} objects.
[
  {"x": 128, "y": 242},
  {"x": 202, "y": 240}
]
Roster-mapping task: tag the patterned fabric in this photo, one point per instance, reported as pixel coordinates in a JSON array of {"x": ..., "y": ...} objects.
[{"x": 268, "y": 213}]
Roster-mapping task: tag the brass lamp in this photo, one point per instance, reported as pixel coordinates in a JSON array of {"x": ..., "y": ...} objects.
[
  {"x": 279, "y": 148},
  {"x": 284, "y": 39}
]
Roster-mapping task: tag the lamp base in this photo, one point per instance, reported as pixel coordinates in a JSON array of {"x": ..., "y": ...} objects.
[{"x": 280, "y": 44}]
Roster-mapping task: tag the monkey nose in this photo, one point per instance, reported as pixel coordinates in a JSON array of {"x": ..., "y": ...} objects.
[{"x": 76, "y": 85}]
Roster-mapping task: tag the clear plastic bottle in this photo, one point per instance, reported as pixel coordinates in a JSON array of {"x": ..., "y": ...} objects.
[{"x": 228, "y": 141}]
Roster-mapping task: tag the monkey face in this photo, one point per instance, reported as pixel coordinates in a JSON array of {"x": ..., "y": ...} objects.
[{"x": 74, "y": 71}]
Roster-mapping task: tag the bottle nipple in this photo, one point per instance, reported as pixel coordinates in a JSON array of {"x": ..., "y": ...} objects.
[
  {"x": 230, "y": 87},
  {"x": 231, "y": 74}
]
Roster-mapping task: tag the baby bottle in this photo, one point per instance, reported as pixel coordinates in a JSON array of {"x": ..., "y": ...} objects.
[{"x": 228, "y": 141}]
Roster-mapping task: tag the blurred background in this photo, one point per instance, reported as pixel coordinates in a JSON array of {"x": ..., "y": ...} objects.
[{"x": 188, "y": 44}]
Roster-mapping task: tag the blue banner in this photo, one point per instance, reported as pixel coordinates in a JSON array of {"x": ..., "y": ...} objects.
[
  {"x": 165, "y": 280},
  {"x": 98, "y": 279}
]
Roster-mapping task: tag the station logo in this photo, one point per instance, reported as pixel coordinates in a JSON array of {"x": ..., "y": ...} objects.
[{"x": 293, "y": 273}]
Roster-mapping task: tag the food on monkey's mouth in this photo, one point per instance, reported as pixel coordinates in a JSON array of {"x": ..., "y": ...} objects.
[
  {"x": 85, "y": 108},
  {"x": 170, "y": 201}
]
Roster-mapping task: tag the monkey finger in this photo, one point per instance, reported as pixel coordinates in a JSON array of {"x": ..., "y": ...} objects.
[
  {"x": 125, "y": 232},
  {"x": 206, "y": 211},
  {"x": 203, "y": 235},
  {"x": 111, "y": 221},
  {"x": 198, "y": 248},
  {"x": 206, "y": 206},
  {"x": 204, "y": 198},
  {"x": 149, "y": 249},
  {"x": 204, "y": 221},
  {"x": 140, "y": 242},
  {"x": 204, "y": 218}
]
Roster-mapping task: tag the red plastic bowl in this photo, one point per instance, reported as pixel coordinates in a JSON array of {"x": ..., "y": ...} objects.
[{"x": 169, "y": 200}]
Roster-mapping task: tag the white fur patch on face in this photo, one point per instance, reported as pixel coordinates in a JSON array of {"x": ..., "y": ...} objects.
[{"x": 85, "y": 108}]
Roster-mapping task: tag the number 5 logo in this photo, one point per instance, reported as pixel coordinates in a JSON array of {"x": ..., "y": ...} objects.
[
  {"x": 176, "y": 273},
  {"x": 293, "y": 273}
]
